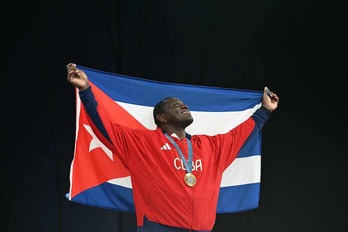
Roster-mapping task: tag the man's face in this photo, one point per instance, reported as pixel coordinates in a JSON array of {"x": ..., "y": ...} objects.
[{"x": 177, "y": 113}]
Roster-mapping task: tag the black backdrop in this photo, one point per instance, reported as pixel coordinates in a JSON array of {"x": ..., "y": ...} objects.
[{"x": 297, "y": 48}]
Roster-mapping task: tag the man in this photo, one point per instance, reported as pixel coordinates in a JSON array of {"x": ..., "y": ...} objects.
[{"x": 167, "y": 198}]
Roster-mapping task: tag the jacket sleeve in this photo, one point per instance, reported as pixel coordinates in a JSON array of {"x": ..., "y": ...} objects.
[
  {"x": 90, "y": 104},
  {"x": 260, "y": 117}
]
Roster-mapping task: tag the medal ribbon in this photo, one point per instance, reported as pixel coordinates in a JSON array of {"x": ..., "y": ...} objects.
[{"x": 187, "y": 164}]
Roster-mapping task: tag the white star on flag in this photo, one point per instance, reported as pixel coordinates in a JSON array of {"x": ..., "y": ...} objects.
[{"x": 95, "y": 143}]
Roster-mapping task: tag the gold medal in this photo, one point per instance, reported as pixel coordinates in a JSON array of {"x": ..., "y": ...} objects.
[{"x": 190, "y": 179}]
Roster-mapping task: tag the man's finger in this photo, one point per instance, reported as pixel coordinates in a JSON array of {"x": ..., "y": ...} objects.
[{"x": 71, "y": 67}]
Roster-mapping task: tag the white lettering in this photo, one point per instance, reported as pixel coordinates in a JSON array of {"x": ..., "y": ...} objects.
[
  {"x": 196, "y": 165},
  {"x": 177, "y": 163}
]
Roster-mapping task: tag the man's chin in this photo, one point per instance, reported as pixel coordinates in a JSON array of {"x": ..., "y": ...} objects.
[{"x": 189, "y": 122}]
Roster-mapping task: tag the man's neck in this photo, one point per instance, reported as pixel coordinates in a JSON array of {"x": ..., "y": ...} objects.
[{"x": 179, "y": 132}]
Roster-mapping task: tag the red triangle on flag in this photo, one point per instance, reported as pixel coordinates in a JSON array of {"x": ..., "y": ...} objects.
[{"x": 92, "y": 167}]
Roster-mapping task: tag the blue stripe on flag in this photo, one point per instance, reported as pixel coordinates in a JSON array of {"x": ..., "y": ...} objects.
[
  {"x": 147, "y": 92},
  {"x": 117, "y": 198},
  {"x": 239, "y": 198},
  {"x": 252, "y": 146}
]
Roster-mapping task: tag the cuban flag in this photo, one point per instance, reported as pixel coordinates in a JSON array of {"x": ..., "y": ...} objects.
[{"x": 98, "y": 178}]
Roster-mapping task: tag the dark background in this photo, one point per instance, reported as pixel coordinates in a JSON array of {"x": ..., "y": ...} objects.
[{"x": 298, "y": 48}]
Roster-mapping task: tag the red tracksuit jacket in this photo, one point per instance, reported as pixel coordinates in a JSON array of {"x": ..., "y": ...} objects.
[{"x": 157, "y": 173}]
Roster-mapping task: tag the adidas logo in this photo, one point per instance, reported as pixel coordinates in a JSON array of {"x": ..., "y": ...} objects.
[{"x": 166, "y": 147}]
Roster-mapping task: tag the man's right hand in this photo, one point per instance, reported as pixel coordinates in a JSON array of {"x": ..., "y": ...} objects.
[{"x": 77, "y": 77}]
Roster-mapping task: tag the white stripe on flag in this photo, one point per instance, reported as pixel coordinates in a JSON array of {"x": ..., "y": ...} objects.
[
  {"x": 219, "y": 122},
  {"x": 124, "y": 182},
  {"x": 241, "y": 171}
]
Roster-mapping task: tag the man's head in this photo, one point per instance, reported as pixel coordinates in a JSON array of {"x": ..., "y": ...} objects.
[{"x": 172, "y": 111}]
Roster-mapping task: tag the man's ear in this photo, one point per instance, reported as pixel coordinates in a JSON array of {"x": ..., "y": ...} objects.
[{"x": 161, "y": 118}]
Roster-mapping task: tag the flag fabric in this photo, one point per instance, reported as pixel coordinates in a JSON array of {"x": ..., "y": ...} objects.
[{"x": 98, "y": 178}]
